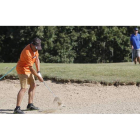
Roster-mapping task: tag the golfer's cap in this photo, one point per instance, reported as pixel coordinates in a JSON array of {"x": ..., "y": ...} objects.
[
  {"x": 136, "y": 29},
  {"x": 37, "y": 42}
]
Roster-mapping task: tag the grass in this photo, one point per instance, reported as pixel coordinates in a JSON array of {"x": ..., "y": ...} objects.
[{"x": 103, "y": 73}]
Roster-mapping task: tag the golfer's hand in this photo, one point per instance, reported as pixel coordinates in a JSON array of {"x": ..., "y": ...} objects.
[
  {"x": 40, "y": 79},
  {"x": 132, "y": 47},
  {"x": 39, "y": 74}
]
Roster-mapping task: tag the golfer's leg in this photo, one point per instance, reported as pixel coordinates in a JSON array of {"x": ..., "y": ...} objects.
[
  {"x": 31, "y": 93},
  {"x": 135, "y": 60},
  {"x": 20, "y": 96},
  {"x": 138, "y": 59},
  {"x": 138, "y": 54},
  {"x": 23, "y": 82}
]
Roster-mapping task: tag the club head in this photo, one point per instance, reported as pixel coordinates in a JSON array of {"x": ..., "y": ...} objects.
[{"x": 57, "y": 101}]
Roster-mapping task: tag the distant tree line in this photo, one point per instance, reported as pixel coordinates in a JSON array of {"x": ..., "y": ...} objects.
[{"x": 69, "y": 44}]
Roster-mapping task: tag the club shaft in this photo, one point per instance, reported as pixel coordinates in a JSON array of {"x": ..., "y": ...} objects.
[{"x": 49, "y": 89}]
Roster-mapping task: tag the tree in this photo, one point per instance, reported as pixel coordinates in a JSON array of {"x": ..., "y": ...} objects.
[{"x": 68, "y": 44}]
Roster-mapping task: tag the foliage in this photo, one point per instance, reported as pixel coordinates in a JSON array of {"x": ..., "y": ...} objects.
[{"x": 68, "y": 44}]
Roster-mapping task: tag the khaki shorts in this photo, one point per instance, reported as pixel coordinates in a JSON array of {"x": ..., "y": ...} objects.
[{"x": 26, "y": 80}]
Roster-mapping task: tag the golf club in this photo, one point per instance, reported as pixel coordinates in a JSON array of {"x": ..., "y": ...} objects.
[
  {"x": 8, "y": 72},
  {"x": 56, "y": 99}
]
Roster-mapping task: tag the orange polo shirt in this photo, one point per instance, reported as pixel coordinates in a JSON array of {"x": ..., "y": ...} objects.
[{"x": 27, "y": 58}]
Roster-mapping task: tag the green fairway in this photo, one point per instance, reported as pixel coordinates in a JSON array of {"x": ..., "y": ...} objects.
[{"x": 109, "y": 72}]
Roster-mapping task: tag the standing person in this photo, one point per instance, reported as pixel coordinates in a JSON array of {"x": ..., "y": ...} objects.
[
  {"x": 135, "y": 45},
  {"x": 26, "y": 74}
]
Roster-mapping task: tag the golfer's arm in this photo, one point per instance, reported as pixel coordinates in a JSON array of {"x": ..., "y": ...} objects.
[
  {"x": 33, "y": 71},
  {"x": 37, "y": 63}
]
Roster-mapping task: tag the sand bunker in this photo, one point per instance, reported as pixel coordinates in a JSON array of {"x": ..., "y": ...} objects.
[{"x": 76, "y": 98}]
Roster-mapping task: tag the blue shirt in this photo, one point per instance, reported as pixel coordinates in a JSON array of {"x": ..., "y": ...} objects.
[{"x": 135, "y": 40}]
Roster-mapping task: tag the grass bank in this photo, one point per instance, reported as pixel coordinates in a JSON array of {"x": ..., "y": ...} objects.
[{"x": 107, "y": 74}]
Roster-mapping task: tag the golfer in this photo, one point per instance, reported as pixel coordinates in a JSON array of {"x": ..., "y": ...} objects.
[
  {"x": 135, "y": 45},
  {"x": 26, "y": 74}
]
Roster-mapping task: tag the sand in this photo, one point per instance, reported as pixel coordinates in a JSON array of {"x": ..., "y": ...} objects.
[{"x": 76, "y": 98}]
